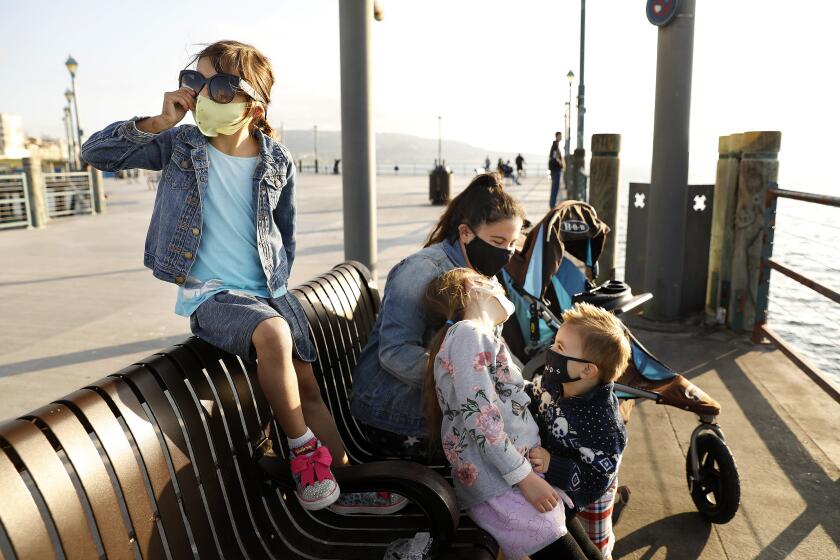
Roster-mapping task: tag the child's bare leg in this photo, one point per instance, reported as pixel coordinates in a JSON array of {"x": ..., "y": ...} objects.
[
  {"x": 317, "y": 415},
  {"x": 276, "y": 373}
]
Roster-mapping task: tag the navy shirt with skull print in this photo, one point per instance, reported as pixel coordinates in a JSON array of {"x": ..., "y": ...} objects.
[{"x": 585, "y": 436}]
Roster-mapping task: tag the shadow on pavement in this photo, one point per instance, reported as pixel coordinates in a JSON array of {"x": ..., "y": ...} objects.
[
  {"x": 71, "y": 358},
  {"x": 71, "y": 277},
  {"x": 682, "y": 536},
  {"x": 805, "y": 475}
]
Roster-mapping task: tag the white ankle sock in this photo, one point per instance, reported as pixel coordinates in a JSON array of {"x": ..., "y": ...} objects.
[{"x": 294, "y": 443}]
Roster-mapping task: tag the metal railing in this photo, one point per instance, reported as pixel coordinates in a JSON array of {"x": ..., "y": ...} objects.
[
  {"x": 421, "y": 169},
  {"x": 14, "y": 201},
  {"x": 469, "y": 169},
  {"x": 760, "y": 329},
  {"x": 69, "y": 194}
]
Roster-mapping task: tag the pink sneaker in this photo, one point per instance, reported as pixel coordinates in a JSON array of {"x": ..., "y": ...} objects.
[{"x": 315, "y": 484}]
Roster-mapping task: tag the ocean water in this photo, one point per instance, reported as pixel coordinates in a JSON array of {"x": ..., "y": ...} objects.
[{"x": 807, "y": 240}]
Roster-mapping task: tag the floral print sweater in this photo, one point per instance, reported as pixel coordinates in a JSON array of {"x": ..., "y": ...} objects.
[{"x": 487, "y": 429}]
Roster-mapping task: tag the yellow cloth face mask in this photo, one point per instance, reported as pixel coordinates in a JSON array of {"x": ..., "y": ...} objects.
[{"x": 214, "y": 118}]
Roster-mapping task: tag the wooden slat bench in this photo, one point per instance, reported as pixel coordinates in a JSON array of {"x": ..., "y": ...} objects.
[{"x": 178, "y": 456}]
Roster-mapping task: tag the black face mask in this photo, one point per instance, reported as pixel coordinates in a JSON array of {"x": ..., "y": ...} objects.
[
  {"x": 556, "y": 369},
  {"x": 485, "y": 258}
]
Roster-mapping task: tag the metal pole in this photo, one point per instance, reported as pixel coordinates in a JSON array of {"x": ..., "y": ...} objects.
[
  {"x": 36, "y": 192},
  {"x": 440, "y": 160},
  {"x": 568, "y": 145},
  {"x": 669, "y": 168},
  {"x": 97, "y": 188},
  {"x": 580, "y": 152},
  {"x": 78, "y": 122},
  {"x": 68, "y": 130},
  {"x": 581, "y": 108},
  {"x": 357, "y": 140},
  {"x": 315, "y": 140}
]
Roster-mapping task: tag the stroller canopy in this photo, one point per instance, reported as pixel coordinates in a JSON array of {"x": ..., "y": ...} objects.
[{"x": 572, "y": 227}]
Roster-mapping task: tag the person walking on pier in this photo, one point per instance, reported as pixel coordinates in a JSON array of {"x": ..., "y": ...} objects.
[
  {"x": 555, "y": 166},
  {"x": 520, "y": 166}
]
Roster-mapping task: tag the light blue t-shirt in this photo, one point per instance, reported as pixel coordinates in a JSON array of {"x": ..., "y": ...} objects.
[{"x": 227, "y": 257}]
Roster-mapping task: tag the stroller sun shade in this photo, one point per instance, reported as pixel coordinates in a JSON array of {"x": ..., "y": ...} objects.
[
  {"x": 572, "y": 227},
  {"x": 582, "y": 232}
]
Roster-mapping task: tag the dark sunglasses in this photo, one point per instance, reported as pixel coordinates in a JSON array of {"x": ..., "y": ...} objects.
[{"x": 221, "y": 87}]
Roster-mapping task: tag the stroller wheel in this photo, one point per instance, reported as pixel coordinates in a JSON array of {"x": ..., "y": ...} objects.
[{"x": 717, "y": 492}]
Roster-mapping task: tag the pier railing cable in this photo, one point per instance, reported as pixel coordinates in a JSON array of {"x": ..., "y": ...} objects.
[
  {"x": 414, "y": 169},
  {"x": 761, "y": 330}
]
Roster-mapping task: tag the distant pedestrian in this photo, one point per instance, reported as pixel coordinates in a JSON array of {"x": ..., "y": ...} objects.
[
  {"x": 487, "y": 164},
  {"x": 555, "y": 166},
  {"x": 336, "y": 168},
  {"x": 506, "y": 171},
  {"x": 520, "y": 165}
]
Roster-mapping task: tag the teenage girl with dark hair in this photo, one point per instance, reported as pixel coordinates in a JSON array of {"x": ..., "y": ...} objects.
[{"x": 478, "y": 230}]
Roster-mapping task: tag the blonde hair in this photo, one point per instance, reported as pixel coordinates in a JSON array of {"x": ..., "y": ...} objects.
[
  {"x": 233, "y": 57},
  {"x": 605, "y": 342}
]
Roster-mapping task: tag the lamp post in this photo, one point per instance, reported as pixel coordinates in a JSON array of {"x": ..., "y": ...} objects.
[
  {"x": 580, "y": 152},
  {"x": 68, "y": 130},
  {"x": 568, "y": 175},
  {"x": 72, "y": 65},
  {"x": 440, "y": 151},
  {"x": 68, "y": 95},
  {"x": 315, "y": 140}
]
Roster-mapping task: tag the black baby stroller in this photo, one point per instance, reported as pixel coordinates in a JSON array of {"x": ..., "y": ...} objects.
[{"x": 543, "y": 280}]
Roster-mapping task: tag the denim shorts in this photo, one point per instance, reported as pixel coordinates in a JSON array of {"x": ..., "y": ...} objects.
[{"x": 228, "y": 320}]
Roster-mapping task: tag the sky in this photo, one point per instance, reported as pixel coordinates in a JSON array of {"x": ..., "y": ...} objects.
[{"x": 495, "y": 70}]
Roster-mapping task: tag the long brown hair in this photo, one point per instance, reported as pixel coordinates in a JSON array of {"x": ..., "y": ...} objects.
[
  {"x": 233, "y": 57},
  {"x": 444, "y": 302},
  {"x": 484, "y": 201}
]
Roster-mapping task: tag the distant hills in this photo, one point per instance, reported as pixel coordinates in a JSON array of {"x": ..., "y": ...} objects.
[
  {"x": 394, "y": 148},
  {"x": 405, "y": 149}
]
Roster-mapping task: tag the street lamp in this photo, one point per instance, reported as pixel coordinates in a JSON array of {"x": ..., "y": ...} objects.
[
  {"x": 571, "y": 78},
  {"x": 580, "y": 151},
  {"x": 315, "y": 139},
  {"x": 440, "y": 151},
  {"x": 68, "y": 130},
  {"x": 72, "y": 65},
  {"x": 68, "y": 95},
  {"x": 569, "y": 171}
]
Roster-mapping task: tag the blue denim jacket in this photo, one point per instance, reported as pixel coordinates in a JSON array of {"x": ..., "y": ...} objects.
[
  {"x": 175, "y": 229},
  {"x": 388, "y": 381}
]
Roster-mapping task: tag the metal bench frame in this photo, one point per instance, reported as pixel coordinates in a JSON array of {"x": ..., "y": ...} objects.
[{"x": 179, "y": 456}]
